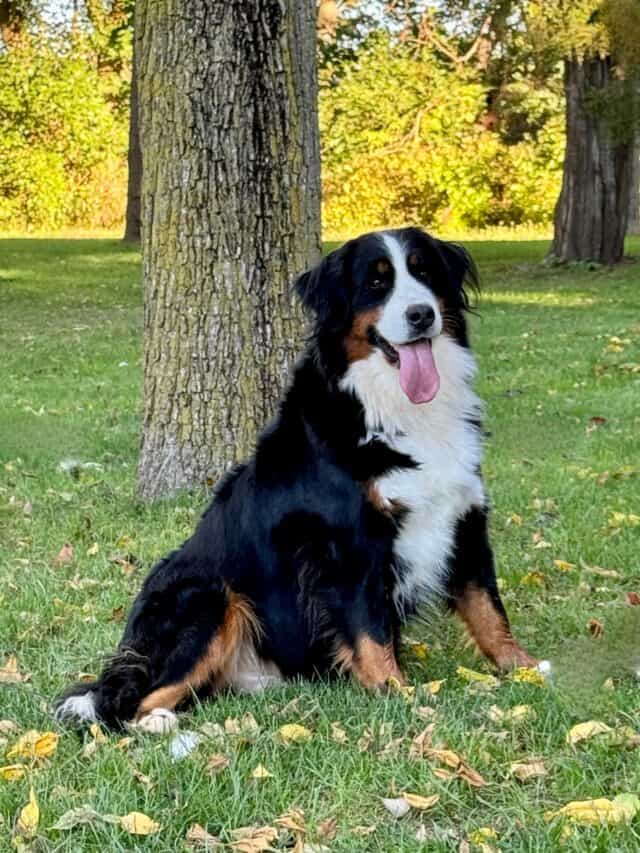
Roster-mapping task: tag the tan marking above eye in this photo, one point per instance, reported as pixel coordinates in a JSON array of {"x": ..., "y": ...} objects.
[
  {"x": 383, "y": 267},
  {"x": 413, "y": 260}
]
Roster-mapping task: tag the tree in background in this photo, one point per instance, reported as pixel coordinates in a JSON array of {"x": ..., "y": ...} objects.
[
  {"x": 600, "y": 43},
  {"x": 14, "y": 17},
  {"x": 230, "y": 210}
]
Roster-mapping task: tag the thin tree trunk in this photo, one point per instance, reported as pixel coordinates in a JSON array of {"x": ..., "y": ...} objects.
[
  {"x": 633, "y": 224},
  {"x": 134, "y": 183},
  {"x": 230, "y": 213},
  {"x": 591, "y": 213}
]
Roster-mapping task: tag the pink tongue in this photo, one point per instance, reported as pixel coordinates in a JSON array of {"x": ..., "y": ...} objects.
[{"x": 419, "y": 377}]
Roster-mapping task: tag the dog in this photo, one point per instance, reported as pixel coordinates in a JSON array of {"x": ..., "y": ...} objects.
[{"x": 364, "y": 499}]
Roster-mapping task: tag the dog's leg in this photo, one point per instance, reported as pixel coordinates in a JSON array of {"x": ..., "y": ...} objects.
[
  {"x": 473, "y": 594},
  {"x": 371, "y": 661}
]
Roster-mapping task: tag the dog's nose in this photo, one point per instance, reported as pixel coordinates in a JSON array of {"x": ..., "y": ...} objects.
[{"x": 420, "y": 317}]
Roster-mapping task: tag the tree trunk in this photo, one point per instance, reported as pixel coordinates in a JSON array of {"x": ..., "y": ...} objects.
[
  {"x": 134, "y": 160},
  {"x": 633, "y": 224},
  {"x": 591, "y": 214},
  {"x": 230, "y": 213}
]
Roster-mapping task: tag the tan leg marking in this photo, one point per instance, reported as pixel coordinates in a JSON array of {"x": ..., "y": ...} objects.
[
  {"x": 489, "y": 630},
  {"x": 372, "y": 663},
  {"x": 219, "y": 661}
]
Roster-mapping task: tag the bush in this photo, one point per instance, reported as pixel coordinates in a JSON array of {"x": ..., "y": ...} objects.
[{"x": 62, "y": 145}]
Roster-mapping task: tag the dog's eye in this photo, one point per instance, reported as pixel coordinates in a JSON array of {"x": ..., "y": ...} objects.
[{"x": 378, "y": 284}]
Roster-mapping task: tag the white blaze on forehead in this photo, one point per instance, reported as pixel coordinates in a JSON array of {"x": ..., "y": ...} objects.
[{"x": 407, "y": 290}]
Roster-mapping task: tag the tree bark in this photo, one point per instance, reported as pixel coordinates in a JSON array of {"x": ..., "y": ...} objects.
[
  {"x": 230, "y": 213},
  {"x": 590, "y": 219},
  {"x": 633, "y": 224},
  {"x": 132, "y": 228}
]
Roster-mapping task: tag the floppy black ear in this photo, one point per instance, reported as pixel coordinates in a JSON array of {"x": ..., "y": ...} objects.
[
  {"x": 461, "y": 270},
  {"x": 323, "y": 289}
]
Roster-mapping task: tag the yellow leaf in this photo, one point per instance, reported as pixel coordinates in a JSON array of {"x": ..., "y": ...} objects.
[
  {"x": 92, "y": 550},
  {"x": 516, "y": 715},
  {"x": 137, "y": 823},
  {"x": 294, "y": 733},
  {"x": 444, "y": 756},
  {"x": 12, "y": 772},
  {"x": 563, "y": 565},
  {"x": 584, "y": 731},
  {"x": 527, "y": 675},
  {"x": 489, "y": 681},
  {"x": 97, "y": 734},
  {"x": 34, "y": 744},
  {"x": 433, "y": 687},
  {"x": 533, "y": 579},
  {"x": 525, "y": 770},
  {"x": 624, "y": 807},
  {"x": 482, "y": 835},
  {"x": 421, "y": 803},
  {"x": 419, "y": 650},
  {"x": 514, "y": 518},
  {"x": 261, "y": 772},
  {"x": 396, "y": 686},
  {"x": 29, "y": 816}
]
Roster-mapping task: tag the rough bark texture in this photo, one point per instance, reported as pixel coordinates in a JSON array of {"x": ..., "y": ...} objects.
[
  {"x": 633, "y": 224},
  {"x": 591, "y": 213},
  {"x": 230, "y": 213},
  {"x": 132, "y": 228}
]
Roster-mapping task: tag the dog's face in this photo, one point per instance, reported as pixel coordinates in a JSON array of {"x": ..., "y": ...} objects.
[{"x": 395, "y": 292}]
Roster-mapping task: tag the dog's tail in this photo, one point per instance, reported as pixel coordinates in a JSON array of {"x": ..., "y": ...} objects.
[{"x": 113, "y": 698}]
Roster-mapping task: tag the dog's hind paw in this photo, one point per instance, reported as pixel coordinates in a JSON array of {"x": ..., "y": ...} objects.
[
  {"x": 79, "y": 709},
  {"x": 159, "y": 721}
]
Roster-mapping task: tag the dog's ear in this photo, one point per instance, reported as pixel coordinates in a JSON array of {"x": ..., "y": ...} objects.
[
  {"x": 323, "y": 289},
  {"x": 461, "y": 270}
]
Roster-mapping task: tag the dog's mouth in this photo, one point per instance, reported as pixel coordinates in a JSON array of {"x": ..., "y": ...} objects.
[{"x": 419, "y": 377}]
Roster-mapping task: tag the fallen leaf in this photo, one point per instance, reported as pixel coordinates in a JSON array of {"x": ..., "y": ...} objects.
[
  {"x": 624, "y": 807},
  {"x": 12, "y": 772},
  {"x": 396, "y": 806},
  {"x": 421, "y": 742},
  {"x": 8, "y": 727},
  {"x": 245, "y": 729},
  {"x": 260, "y": 772},
  {"x": 585, "y": 731},
  {"x": 488, "y": 681},
  {"x": 533, "y": 579},
  {"x": 29, "y": 816},
  {"x": 563, "y": 565},
  {"x": 27, "y": 509},
  {"x": 253, "y": 839},
  {"x": 327, "y": 829},
  {"x": 197, "y": 836},
  {"x": 97, "y": 734},
  {"x": 421, "y": 803},
  {"x": 419, "y": 650},
  {"x": 292, "y": 820},
  {"x": 34, "y": 744},
  {"x": 217, "y": 762},
  {"x": 633, "y": 599},
  {"x": 444, "y": 756},
  {"x": 470, "y": 776},
  {"x": 527, "y": 675},
  {"x": 597, "y": 570},
  {"x": 516, "y": 715},
  {"x": 595, "y": 628},
  {"x": 424, "y": 712},
  {"x": 433, "y": 687},
  {"x": 338, "y": 734},
  {"x": 396, "y": 686},
  {"x": 482, "y": 835},
  {"x": 137, "y": 823},
  {"x": 81, "y": 816},
  {"x": 64, "y": 555},
  {"x": 444, "y": 775},
  {"x": 92, "y": 550},
  {"x": 365, "y": 740},
  {"x": 10, "y": 672},
  {"x": 363, "y": 831},
  {"x": 117, "y": 614},
  {"x": 525, "y": 770},
  {"x": 142, "y": 778},
  {"x": 294, "y": 733}
]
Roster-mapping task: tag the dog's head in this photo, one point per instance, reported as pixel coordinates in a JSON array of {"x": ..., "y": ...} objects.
[{"x": 392, "y": 291}]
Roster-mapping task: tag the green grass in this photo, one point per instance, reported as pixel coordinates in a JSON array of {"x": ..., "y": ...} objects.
[{"x": 70, "y": 373}]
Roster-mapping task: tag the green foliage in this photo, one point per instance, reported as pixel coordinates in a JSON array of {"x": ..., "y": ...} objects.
[
  {"x": 403, "y": 140},
  {"x": 62, "y": 147}
]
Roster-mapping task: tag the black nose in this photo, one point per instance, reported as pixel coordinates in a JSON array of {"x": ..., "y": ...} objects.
[{"x": 420, "y": 317}]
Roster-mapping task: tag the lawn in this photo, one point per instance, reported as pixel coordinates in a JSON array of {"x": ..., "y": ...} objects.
[{"x": 559, "y": 355}]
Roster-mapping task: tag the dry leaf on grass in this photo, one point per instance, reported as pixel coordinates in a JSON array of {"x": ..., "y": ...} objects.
[
  {"x": 218, "y": 762},
  {"x": 363, "y": 831},
  {"x": 294, "y": 733},
  {"x": 421, "y": 742},
  {"x": 488, "y": 682},
  {"x": 416, "y": 801},
  {"x": 338, "y": 734},
  {"x": 462, "y": 770},
  {"x": 138, "y": 823},
  {"x": 12, "y": 772},
  {"x": 482, "y": 835},
  {"x": 563, "y": 565},
  {"x": 595, "y": 628},
  {"x": 197, "y": 836},
  {"x": 365, "y": 740},
  {"x": 261, "y": 772},
  {"x": 140, "y": 777},
  {"x": 29, "y": 817},
  {"x": 432, "y": 688},
  {"x": 34, "y": 744},
  {"x": 327, "y": 829},
  {"x": 81, "y": 816},
  {"x": 246, "y": 728},
  {"x": 516, "y": 715},
  {"x": 253, "y": 839},
  {"x": 525, "y": 770},
  {"x": 632, "y": 599},
  {"x": 292, "y": 820},
  {"x": 527, "y": 675},
  {"x": 624, "y": 807},
  {"x": 64, "y": 555},
  {"x": 585, "y": 731},
  {"x": 10, "y": 672},
  {"x": 8, "y": 727}
]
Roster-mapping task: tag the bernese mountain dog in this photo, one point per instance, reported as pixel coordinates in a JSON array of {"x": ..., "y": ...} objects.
[{"x": 364, "y": 499}]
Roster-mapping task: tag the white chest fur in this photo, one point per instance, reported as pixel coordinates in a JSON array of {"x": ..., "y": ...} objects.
[{"x": 447, "y": 448}]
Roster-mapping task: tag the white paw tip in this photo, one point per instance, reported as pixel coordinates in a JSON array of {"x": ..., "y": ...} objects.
[
  {"x": 160, "y": 721},
  {"x": 545, "y": 668},
  {"x": 81, "y": 708}
]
